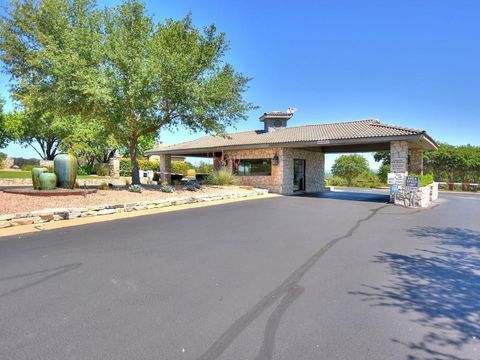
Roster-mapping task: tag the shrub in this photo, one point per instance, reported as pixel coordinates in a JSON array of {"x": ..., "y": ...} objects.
[
  {"x": 204, "y": 167},
  {"x": 165, "y": 187},
  {"x": 126, "y": 166},
  {"x": 425, "y": 180},
  {"x": 135, "y": 188},
  {"x": 191, "y": 187},
  {"x": 102, "y": 169},
  {"x": 104, "y": 186},
  {"x": 222, "y": 178},
  {"x": 180, "y": 167},
  {"x": 27, "y": 167},
  {"x": 85, "y": 170},
  {"x": 3, "y": 157},
  {"x": 337, "y": 181}
]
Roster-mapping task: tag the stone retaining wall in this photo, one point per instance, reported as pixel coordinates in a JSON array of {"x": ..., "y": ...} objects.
[
  {"x": 80, "y": 182},
  {"x": 47, "y": 215},
  {"x": 423, "y": 197}
]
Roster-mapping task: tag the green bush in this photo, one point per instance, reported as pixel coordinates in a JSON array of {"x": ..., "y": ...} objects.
[
  {"x": 85, "y": 170},
  {"x": 3, "y": 157},
  {"x": 27, "y": 167},
  {"x": 222, "y": 178},
  {"x": 102, "y": 169},
  {"x": 383, "y": 172},
  {"x": 204, "y": 168},
  {"x": 337, "y": 181},
  {"x": 425, "y": 180},
  {"x": 180, "y": 167},
  {"x": 126, "y": 166}
]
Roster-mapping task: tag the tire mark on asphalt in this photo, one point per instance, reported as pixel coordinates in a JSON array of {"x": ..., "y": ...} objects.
[
  {"x": 59, "y": 270},
  {"x": 289, "y": 290}
]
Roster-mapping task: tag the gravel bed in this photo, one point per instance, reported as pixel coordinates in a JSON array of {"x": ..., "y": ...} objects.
[{"x": 14, "y": 203}]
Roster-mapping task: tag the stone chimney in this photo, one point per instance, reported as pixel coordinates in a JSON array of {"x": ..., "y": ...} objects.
[{"x": 276, "y": 120}]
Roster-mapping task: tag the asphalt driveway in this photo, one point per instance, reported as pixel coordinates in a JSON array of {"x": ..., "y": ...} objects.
[{"x": 279, "y": 278}]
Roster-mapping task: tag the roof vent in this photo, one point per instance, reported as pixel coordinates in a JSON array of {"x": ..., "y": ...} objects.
[{"x": 276, "y": 120}]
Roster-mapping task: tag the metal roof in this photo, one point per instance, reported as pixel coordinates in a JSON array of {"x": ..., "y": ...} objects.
[{"x": 360, "y": 130}]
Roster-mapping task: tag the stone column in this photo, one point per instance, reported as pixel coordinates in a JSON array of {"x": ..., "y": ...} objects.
[
  {"x": 416, "y": 162},
  {"x": 165, "y": 168},
  {"x": 398, "y": 161},
  {"x": 398, "y": 156},
  {"x": 114, "y": 165},
  {"x": 217, "y": 164}
]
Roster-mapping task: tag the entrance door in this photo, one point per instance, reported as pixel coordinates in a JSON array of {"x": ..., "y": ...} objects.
[{"x": 298, "y": 175}]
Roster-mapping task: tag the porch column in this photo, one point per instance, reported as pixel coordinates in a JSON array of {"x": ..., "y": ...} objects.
[
  {"x": 398, "y": 156},
  {"x": 416, "y": 162},
  {"x": 165, "y": 168},
  {"x": 217, "y": 164},
  {"x": 398, "y": 161}
]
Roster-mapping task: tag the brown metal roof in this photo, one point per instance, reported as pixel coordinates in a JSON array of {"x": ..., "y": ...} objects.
[{"x": 353, "y": 130}]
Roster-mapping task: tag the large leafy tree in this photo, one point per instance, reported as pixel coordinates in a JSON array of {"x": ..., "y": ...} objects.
[
  {"x": 3, "y": 131},
  {"x": 43, "y": 132},
  {"x": 90, "y": 142},
  {"x": 349, "y": 167},
  {"x": 48, "y": 48},
  {"x": 121, "y": 67},
  {"x": 164, "y": 75}
]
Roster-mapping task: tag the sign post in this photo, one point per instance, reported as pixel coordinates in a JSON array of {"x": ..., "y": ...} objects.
[
  {"x": 398, "y": 165},
  {"x": 412, "y": 184}
]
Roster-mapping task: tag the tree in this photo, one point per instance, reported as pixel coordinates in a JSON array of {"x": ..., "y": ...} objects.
[
  {"x": 121, "y": 67},
  {"x": 349, "y": 167},
  {"x": 42, "y": 132},
  {"x": 3, "y": 132},
  {"x": 90, "y": 142},
  {"x": 162, "y": 76},
  {"x": 44, "y": 45}
]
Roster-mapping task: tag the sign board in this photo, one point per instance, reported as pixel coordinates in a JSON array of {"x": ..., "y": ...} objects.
[
  {"x": 394, "y": 188},
  {"x": 396, "y": 178},
  {"x": 412, "y": 182},
  {"x": 398, "y": 165}
]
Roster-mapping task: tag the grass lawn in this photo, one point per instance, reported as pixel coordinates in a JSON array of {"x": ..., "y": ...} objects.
[
  {"x": 5, "y": 174},
  {"x": 15, "y": 174}
]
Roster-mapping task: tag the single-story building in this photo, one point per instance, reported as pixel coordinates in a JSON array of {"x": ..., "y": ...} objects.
[{"x": 287, "y": 160}]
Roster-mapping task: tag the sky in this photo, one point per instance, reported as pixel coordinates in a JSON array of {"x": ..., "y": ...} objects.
[{"x": 413, "y": 63}]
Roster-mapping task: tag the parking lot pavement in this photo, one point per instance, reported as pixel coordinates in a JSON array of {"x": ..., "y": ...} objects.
[{"x": 279, "y": 278}]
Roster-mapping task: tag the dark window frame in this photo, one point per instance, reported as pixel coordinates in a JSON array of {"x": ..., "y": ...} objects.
[{"x": 246, "y": 164}]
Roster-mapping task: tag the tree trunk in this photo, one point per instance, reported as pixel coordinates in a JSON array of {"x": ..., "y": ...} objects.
[{"x": 133, "y": 159}]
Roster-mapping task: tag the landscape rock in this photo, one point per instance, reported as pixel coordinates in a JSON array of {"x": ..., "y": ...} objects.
[
  {"x": 89, "y": 213},
  {"x": 5, "y": 224},
  {"x": 106, "y": 211},
  {"x": 21, "y": 221}
]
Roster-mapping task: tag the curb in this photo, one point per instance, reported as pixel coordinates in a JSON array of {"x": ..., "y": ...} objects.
[{"x": 59, "y": 214}]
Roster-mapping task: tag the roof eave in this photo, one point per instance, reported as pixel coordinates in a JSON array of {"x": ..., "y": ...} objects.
[{"x": 314, "y": 143}]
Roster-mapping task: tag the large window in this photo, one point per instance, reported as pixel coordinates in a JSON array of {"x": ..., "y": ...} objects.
[{"x": 252, "y": 167}]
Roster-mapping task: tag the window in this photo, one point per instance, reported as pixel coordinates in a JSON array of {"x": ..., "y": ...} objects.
[{"x": 252, "y": 167}]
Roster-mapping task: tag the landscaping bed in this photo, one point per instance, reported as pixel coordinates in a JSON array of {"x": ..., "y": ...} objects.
[
  {"x": 15, "y": 203},
  {"x": 23, "y": 209}
]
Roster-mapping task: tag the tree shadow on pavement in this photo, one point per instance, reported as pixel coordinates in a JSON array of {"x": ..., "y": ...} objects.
[{"x": 440, "y": 286}]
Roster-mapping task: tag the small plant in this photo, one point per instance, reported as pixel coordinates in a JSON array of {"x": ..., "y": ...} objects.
[
  {"x": 102, "y": 169},
  {"x": 222, "y": 178},
  {"x": 191, "y": 187},
  {"x": 135, "y": 188},
  {"x": 166, "y": 189},
  {"x": 104, "y": 186}
]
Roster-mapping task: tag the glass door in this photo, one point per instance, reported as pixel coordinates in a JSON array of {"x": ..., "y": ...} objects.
[{"x": 298, "y": 175}]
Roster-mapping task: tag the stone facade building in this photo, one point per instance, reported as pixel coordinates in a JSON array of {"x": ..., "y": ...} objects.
[{"x": 288, "y": 160}]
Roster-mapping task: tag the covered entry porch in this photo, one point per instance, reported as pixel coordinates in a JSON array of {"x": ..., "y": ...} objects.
[{"x": 289, "y": 160}]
